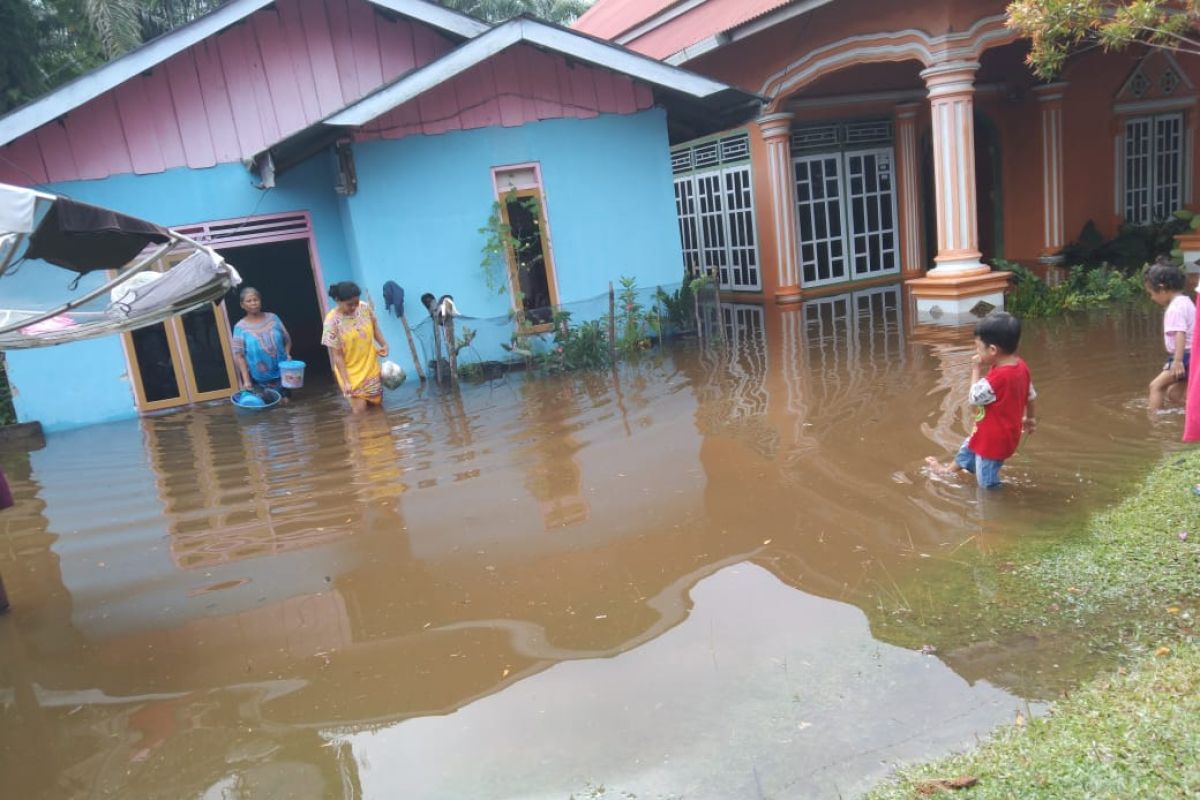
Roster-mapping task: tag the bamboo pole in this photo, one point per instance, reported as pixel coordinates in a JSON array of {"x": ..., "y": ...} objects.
[
  {"x": 412, "y": 346},
  {"x": 612, "y": 325}
]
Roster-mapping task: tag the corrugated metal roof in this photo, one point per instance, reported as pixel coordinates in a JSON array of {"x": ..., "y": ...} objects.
[
  {"x": 610, "y": 18},
  {"x": 707, "y": 19}
]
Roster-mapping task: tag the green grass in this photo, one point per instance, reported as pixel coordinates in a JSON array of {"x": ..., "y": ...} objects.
[
  {"x": 1131, "y": 582},
  {"x": 1126, "y": 736}
]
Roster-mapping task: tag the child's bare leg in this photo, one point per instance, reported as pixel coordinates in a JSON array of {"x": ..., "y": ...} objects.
[
  {"x": 948, "y": 468},
  {"x": 1158, "y": 389},
  {"x": 1177, "y": 392}
]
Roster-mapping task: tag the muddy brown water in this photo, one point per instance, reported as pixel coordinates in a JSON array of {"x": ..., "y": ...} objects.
[{"x": 679, "y": 583}]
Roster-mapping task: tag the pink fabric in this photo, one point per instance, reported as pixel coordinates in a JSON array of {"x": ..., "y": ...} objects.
[
  {"x": 1191, "y": 425},
  {"x": 1180, "y": 316}
]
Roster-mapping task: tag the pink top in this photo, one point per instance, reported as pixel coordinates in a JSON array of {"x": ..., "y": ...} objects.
[{"x": 1180, "y": 316}]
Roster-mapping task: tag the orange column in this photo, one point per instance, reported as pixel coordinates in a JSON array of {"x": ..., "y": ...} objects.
[
  {"x": 777, "y": 133},
  {"x": 952, "y": 106},
  {"x": 908, "y": 187},
  {"x": 1050, "y": 98}
]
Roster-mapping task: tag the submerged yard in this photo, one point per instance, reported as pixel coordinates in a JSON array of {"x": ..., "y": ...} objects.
[{"x": 721, "y": 573}]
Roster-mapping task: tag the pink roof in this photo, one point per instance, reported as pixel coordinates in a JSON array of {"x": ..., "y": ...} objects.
[{"x": 610, "y": 18}]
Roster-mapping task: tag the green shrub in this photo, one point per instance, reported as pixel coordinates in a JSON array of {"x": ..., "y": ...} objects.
[
  {"x": 1133, "y": 247},
  {"x": 1030, "y": 296},
  {"x": 8, "y": 414}
]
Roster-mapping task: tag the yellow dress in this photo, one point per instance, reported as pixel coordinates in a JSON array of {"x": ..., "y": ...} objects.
[{"x": 354, "y": 335}]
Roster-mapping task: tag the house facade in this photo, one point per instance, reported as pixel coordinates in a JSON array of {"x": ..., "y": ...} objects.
[
  {"x": 313, "y": 141},
  {"x": 907, "y": 141}
]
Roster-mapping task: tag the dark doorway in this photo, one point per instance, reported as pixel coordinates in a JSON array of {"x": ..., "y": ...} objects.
[
  {"x": 989, "y": 207},
  {"x": 989, "y": 204},
  {"x": 282, "y": 272}
]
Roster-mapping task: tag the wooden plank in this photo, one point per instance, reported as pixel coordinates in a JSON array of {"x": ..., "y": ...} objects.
[
  {"x": 606, "y": 96},
  {"x": 216, "y": 103},
  {"x": 21, "y": 162},
  {"x": 166, "y": 123},
  {"x": 343, "y": 48},
  {"x": 137, "y": 120},
  {"x": 566, "y": 91},
  {"x": 256, "y": 76},
  {"x": 472, "y": 94},
  {"x": 395, "y": 48},
  {"x": 246, "y": 119},
  {"x": 508, "y": 89},
  {"x": 623, "y": 89},
  {"x": 56, "y": 151},
  {"x": 645, "y": 95},
  {"x": 97, "y": 140},
  {"x": 297, "y": 48},
  {"x": 439, "y": 106},
  {"x": 321, "y": 56},
  {"x": 542, "y": 79},
  {"x": 280, "y": 74},
  {"x": 583, "y": 87},
  {"x": 189, "y": 110},
  {"x": 365, "y": 37}
]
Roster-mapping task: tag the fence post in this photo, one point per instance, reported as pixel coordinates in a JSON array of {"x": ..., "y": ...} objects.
[
  {"x": 451, "y": 348},
  {"x": 413, "y": 347}
]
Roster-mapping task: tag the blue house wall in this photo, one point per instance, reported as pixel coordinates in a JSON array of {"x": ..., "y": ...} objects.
[
  {"x": 415, "y": 219},
  {"x": 87, "y": 382},
  {"x": 421, "y": 201}
]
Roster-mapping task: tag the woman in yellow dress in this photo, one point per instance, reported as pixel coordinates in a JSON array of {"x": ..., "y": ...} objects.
[{"x": 355, "y": 345}]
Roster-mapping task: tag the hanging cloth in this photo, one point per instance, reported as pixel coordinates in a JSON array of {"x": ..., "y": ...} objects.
[
  {"x": 85, "y": 238},
  {"x": 16, "y": 210},
  {"x": 393, "y": 298}
]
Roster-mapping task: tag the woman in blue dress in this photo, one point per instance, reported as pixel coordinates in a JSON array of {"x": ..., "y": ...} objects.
[{"x": 260, "y": 342}]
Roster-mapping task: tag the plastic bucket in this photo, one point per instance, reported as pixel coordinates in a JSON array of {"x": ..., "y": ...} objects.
[{"x": 291, "y": 374}]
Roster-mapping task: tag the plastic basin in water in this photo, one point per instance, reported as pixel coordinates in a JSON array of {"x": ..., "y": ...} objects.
[
  {"x": 252, "y": 402},
  {"x": 291, "y": 374}
]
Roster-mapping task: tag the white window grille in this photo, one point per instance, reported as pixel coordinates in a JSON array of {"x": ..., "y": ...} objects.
[
  {"x": 1154, "y": 167},
  {"x": 714, "y": 202},
  {"x": 685, "y": 209}
]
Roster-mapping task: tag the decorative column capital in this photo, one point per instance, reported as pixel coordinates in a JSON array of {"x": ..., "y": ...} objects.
[
  {"x": 950, "y": 78},
  {"x": 777, "y": 125},
  {"x": 908, "y": 111},
  {"x": 1050, "y": 92}
]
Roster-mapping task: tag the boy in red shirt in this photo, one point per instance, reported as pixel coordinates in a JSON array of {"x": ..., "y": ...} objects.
[{"x": 1003, "y": 400}]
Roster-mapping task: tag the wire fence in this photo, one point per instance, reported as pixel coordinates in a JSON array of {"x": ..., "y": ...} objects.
[{"x": 581, "y": 333}]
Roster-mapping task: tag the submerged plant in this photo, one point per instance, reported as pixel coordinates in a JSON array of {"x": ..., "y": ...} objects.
[{"x": 500, "y": 244}]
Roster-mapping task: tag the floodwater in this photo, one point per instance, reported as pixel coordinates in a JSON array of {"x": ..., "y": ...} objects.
[{"x": 679, "y": 583}]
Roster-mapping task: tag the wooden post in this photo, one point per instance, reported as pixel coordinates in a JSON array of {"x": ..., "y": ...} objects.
[
  {"x": 437, "y": 346},
  {"x": 413, "y": 347},
  {"x": 612, "y": 324},
  {"x": 451, "y": 349}
]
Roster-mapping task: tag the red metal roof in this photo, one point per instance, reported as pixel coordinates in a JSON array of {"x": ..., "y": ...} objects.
[{"x": 610, "y": 18}]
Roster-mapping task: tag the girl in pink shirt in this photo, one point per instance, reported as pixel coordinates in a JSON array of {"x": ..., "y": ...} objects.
[{"x": 1164, "y": 284}]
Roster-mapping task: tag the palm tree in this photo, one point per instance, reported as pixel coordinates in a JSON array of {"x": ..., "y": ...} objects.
[{"x": 562, "y": 12}]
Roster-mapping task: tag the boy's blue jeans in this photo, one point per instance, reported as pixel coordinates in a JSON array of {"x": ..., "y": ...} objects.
[{"x": 985, "y": 470}]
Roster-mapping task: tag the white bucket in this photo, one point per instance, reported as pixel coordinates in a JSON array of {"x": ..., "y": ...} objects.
[{"x": 291, "y": 374}]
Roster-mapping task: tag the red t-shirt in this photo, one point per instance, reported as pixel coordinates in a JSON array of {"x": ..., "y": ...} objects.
[{"x": 998, "y": 424}]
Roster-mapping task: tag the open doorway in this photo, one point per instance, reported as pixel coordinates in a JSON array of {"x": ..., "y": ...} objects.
[{"x": 283, "y": 274}]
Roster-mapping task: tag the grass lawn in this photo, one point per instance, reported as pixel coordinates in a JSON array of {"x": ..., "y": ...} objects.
[{"x": 1130, "y": 734}]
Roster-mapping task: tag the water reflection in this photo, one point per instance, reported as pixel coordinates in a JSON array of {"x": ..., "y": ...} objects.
[{"x": 534, "y": 586}]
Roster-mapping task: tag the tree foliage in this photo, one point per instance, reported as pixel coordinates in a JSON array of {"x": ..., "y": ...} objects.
[
  {"x": 1058, "y": 28},
  {"x": 562, "y": 12}
]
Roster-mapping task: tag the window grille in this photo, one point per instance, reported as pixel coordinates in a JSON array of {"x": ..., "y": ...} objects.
[
  {"x": 827, "y": 136},
  {"x": 714, "y": 203},
  {"x": 1153, "y": 168}
]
